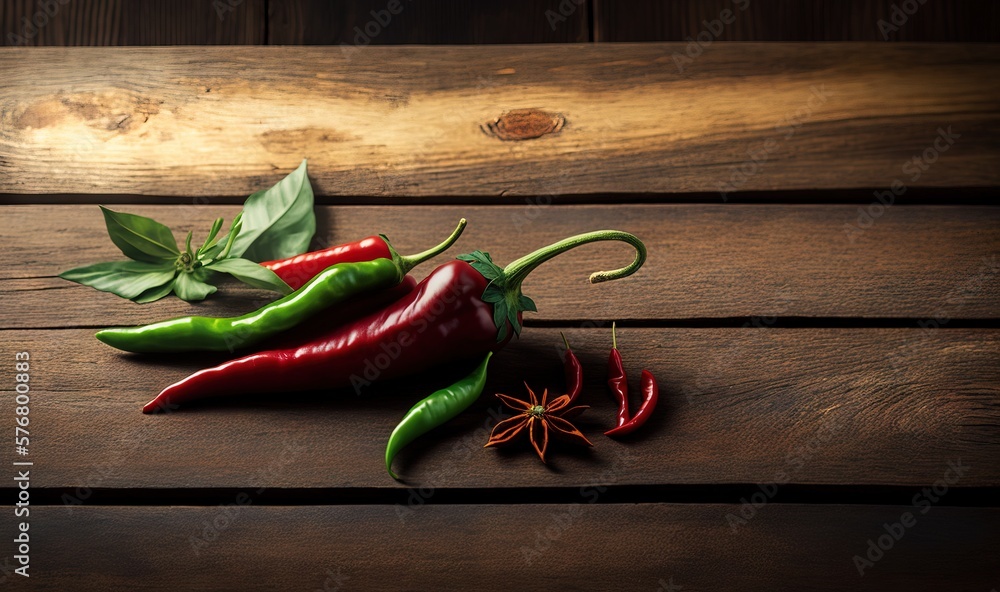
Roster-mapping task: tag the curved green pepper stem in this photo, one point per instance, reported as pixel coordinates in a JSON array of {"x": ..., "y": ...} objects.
[
  {"x": 408, "y": 262},
  {"x": 518, "y": 270},
  {"x": 504, "y": 289}
]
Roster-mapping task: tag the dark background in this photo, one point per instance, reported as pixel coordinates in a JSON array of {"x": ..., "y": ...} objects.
[{"x": 320, "y": 22}]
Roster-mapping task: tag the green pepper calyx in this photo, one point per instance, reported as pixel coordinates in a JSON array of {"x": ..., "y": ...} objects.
[{"x": 504, "y": 289}]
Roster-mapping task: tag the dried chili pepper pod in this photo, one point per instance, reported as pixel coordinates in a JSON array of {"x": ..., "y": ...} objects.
[
  {"x": 333, "y": 286},
  {"x": 617, "y": 382},
  {"x": 650, "y": 394},
  {"x": 573, "y": 371}
]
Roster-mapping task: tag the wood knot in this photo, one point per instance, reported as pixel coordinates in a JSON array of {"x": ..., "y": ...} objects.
[{"x": 524, "y": 124}]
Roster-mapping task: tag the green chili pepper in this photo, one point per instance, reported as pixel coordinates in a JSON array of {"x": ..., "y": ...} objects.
[
  {"x": 333, "y": 286},
  {"x": 436, "y": 410}
]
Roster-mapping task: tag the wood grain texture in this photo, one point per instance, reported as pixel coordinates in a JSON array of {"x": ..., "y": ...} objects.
[
  {"x": 799, "y": 20},
  {"x": 705, "y": 261},
  {"x": 822, "y": 406},
  {"x": 392, "y": 121},
  {"x": 132, "y": 22},
  {"x": 581, "y": 546},
  {"x": 383, "y": 22}
]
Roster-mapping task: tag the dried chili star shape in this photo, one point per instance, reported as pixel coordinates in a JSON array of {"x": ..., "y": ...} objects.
[{"x": 538, "y": 418}]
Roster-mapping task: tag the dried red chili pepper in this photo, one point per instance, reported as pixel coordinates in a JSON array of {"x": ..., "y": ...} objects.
[
  {"x": 573, "y": 370},
  {"x": 650, "y": 394},
  {"x": 463, "y": 309},
  {"x": 617, "y": 382},
  {"x": 619, "y": 387}
]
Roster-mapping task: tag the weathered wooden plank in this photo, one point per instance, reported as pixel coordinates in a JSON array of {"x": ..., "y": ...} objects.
[
  {"x": 800, "y": 20},
  {"x": 384, "y": 22},
  {"x": 704, "y": 261},
  {"x": 392, "y": 121},
  {"x": 131, "y": 22},
  {"x": 462, "y": 547},
  {"x": 821, "y": 406}
]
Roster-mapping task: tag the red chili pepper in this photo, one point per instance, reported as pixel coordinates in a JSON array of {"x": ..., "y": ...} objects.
[
  {"x": 619, "y": 387},
  {"x": 650, "y": 394},
  {"x": 617, "y": 382},
  {"x": 463, "y": 309},
  {"x": 298, "y": 270},
  {"x": 335, "y": 316},
  {"x": 574, "y": 372}
]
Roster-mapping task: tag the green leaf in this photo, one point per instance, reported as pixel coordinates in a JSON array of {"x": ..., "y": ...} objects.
[
  {"x": 483, "y": 263},
  {"x": 493, "y": 293},
  {"x": 141, "y": 238},
  {"x": 525, "y": 303},
  {"x": 500, "y": 318},
  {"x": 128, "y": 279},
  {"x": 502, "y": 333},
  {"x": 210, "y": 239},
  {"x": 189, "y": 286},
  {"x": 514, "y": 322},
  {"x": 251, "y": 273},
  {"x": 154, "y": 294},
  {"x": 278, "y": 222}
]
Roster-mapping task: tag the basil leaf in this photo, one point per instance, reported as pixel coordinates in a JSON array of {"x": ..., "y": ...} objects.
[
  {"x": 154, "y": 294},
  {"x": 210, "y": 239},
  {"x": 141, "y": 238},
  {"x": 189, "y": 286},
  {"x": 127, "y": 279},
  {"x": 278, "y": 222},
  {"x": 251, "y": 273}
]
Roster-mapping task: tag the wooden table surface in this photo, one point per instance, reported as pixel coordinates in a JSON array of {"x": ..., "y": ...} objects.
[{"x": 829, "y": 361}]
